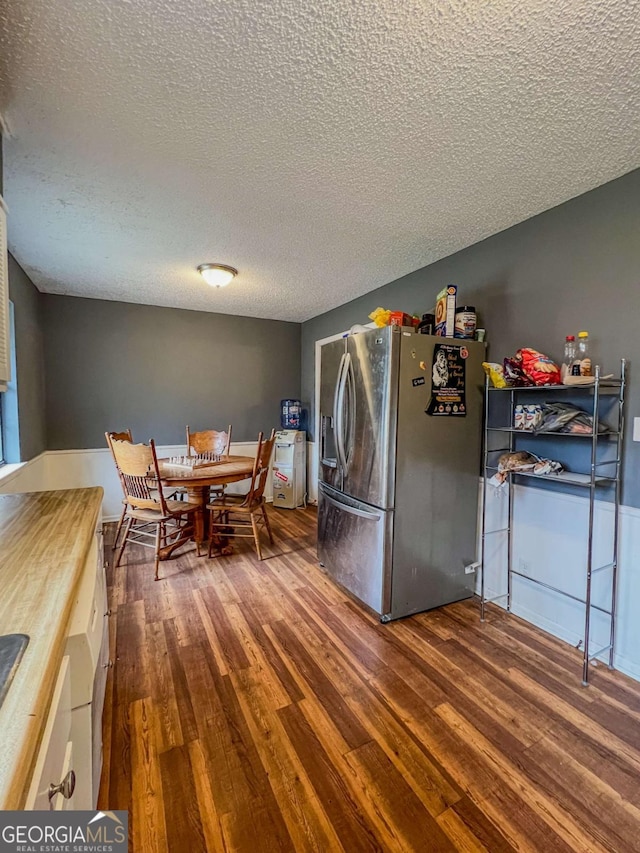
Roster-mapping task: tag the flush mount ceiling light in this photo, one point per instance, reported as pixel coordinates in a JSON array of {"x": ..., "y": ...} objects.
[{"x": 217, "y": 275}]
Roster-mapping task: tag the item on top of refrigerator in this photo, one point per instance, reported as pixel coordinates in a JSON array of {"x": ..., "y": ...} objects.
[
  {"x": 465, "y": 322},
  {"x": 583, "y": 361},
  {"x": 427, "y": 326},
  {"x": 446, "y": 311},
  {"x": 495, "y": 372},
  {"x": 380, "y": 316},
  {"x": 480, "y": 334},
  {"x": 400, "y": 318}
]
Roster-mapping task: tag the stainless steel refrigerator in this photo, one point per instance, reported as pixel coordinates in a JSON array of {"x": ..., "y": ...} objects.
[{"x": 398, "y": 489}]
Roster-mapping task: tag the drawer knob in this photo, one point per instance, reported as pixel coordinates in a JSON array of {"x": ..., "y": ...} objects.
[{"x": 66, "y": 788}]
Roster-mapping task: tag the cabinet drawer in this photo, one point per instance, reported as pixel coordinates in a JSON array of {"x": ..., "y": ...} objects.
[
  {"x": 55, "y": 750},
  {"x": 86, "y": 628}
]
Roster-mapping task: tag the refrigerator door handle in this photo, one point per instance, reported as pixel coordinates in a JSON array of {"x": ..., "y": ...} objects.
[
  {"x": 350, "y": 383},
  {"x": 361, "y": 513},
  {"x": 338, "y": 412}
]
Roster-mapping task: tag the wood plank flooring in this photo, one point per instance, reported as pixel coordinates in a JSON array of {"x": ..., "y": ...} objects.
[{"x": 256, "y": 707}]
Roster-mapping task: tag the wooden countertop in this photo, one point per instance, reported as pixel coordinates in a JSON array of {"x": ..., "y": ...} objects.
[{"x": 44, "y": 541}]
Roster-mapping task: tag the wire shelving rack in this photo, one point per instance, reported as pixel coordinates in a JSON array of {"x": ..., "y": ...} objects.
[{"x": 601, "y": 473}]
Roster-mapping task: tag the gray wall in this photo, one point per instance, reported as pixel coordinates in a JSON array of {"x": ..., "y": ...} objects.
[
  {"x": 29, "y": 367},
  {"x": 111, "y": 365},
  {"x": 574, "y": 267}
]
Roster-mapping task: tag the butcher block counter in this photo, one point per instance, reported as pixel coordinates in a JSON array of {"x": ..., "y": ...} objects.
[{"x": 45, "y": 542}]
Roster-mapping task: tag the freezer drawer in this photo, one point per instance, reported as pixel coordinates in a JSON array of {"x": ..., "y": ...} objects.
[{"x": 354, "y": 546}]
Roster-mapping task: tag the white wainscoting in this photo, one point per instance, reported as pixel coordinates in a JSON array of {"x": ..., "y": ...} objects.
[
  {"x": 76, "y": 469},
  {"x": 24, "y": 476},
  {"x": 550, "y": 544}
]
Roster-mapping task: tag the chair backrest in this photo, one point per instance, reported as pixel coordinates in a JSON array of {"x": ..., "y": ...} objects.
[
  {"x": 208, "y": 442},
  {"x": 125, "y": 435},
  {"x": 260, "y": 469},
  {"x": 138, "y": 467}
]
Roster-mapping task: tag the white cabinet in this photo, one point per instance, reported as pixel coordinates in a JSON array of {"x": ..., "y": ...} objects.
[
  {"x": 55, "y": 757},
  {"x": 72, "y": 740},
  {"x": 88, "y": 650}
]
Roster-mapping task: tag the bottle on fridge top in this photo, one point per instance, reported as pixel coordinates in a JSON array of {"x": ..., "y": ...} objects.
[
  {"x": 427, "y": 326},
  {"x": 583, "y": 356},
  {"x": 465, "y": 322}
]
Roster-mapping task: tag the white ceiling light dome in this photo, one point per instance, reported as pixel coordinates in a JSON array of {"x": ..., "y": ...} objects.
[{"x": 217, "y": 275}]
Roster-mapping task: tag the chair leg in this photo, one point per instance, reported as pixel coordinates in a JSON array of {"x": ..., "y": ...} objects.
[
  {"x": 211, "y": 534},
  {"x": 119, "y": 527},
  {"x": 124, "y": 541},
  {"x": 266, "y": 523},
  {"x": 185, "y": 522},
  {"x": 157, "y": 554},
  {"x": 256, "y": 535}
]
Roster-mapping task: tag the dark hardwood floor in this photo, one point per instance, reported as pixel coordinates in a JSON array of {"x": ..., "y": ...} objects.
[{"x": 255, "y": 707}]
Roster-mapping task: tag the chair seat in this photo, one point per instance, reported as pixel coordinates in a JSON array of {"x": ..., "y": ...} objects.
[
  {"x": 174, "y": 507},
  {"x": 227, "y": 500}
]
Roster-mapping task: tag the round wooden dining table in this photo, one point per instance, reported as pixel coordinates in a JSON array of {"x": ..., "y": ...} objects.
[{"x": 198, "y": 481}]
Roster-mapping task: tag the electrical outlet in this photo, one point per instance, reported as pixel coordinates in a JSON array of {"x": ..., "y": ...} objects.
[{"x": 523, "y": 566}]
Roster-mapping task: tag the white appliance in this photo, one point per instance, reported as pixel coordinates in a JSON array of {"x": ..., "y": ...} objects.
[{"x": 290, "y": 469}]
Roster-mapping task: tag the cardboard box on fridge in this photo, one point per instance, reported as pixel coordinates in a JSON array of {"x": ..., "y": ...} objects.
[
  {"x": 400, "y": 318},
  {"x": 446, "y": 311}
]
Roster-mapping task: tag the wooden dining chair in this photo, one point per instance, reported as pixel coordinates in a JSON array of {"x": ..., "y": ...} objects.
[
  {"x": 230, "y": 515},
  {"x": 210, "y": 443},
  {"x": 152, "y": 520},
  {"x": 125, "y": 435}
]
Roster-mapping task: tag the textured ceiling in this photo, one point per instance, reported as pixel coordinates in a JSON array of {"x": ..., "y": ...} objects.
[{"x": 322, "y": 148}]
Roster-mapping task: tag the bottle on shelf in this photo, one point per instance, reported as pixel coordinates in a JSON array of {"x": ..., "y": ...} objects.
[
  {"x": 583, "y": 357},
  {"x": 570, "y": 352}
]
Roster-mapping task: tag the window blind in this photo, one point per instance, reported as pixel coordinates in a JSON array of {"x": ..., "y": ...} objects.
[{"x": 5, "y": 361}]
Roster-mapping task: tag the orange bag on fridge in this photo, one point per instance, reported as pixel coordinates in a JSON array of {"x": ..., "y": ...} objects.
[{"x": 538, "y": 367}]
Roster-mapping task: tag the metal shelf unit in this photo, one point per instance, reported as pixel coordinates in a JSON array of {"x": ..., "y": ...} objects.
[{"x": 590, "y": 481}]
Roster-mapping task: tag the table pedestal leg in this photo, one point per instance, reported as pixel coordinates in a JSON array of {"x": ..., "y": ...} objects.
[{"x": 199, "y": 495}]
